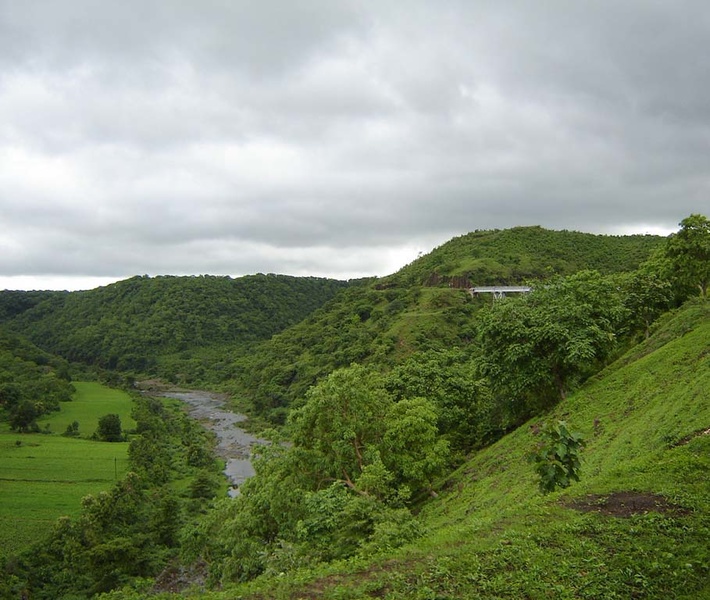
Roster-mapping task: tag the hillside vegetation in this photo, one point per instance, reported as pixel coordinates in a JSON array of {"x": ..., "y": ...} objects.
[
  {"x": 423, "y": 307},
  {"x": 32, "y": 382},
  {"x": 137, "y": 323},
  {"x": 635, "y": 526},
  {"x": 519, "y": 254},
  {"x": 428, "y": 443}
]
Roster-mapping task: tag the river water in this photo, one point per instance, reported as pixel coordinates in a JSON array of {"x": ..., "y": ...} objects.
[{"x": 233, "y": 443}]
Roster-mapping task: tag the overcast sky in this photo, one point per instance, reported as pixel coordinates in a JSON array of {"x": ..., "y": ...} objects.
[{"x": 333, "y": 137}]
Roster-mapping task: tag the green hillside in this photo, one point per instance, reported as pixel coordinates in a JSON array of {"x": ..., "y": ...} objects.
[
  {"x": 430, "y": 444},
  {"x": 423, "y": 307},
  {"x": 509, "y": 256},
  {"x": 133, "y": 324},
  {"x": 635, "y": 526},
  {"x": 32, "y": 382},
  {"x": 14, "y": 302}
]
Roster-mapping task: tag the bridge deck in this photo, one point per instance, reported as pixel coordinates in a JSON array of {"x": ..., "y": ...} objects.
[
  {"x": 499, "y": 291},
  {"x": 492, "y": 289}
]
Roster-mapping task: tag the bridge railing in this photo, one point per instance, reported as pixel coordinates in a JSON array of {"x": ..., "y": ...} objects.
[{"x": 499, "y": 291}]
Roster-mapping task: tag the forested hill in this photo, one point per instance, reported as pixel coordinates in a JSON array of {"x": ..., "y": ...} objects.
[
  {"x": 129, "y": 325},
  {"x": 423, "y": 307},
  {"x": 508, "y": 256},
  {"x": 635, "y": 525},
  {"x": 420, "y": 422},
  {"x": 32, "y": 382},
  {"x": 14, "y": 302}
]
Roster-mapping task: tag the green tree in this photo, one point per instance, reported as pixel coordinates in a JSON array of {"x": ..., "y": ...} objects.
[
  {"x": 462, "y": 397},
  {"x": 412, "y": 447},
  {"x": 342, "y": 417},
  {"x": 689, "y": 249},
  {"x": 72, "y": 430},
  {"x": 109, "y": 429},
  {"x": 647, "y": 295},
  {"x": 534, "y": 347},
  {"x": 23, "y": 418}
]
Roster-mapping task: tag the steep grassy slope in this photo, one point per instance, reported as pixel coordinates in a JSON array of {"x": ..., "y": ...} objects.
[{"x": 636, "y": 526}]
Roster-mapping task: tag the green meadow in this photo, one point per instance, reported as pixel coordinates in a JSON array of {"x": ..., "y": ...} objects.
[{"x": 45, "y": 476}]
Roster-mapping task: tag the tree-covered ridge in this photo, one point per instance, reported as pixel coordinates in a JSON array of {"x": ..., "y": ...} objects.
[
  {"x": 32, "y": 382},
  {"x": 130, "y": 324},
  {"x": 388, "y": 388},
  {"x": 518, "y": 254},
  {"x": 366, "y": 448},
  {"x": 14, "y": 302}
]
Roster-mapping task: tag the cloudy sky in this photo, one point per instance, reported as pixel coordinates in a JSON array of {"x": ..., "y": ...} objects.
[{"x": 335, "y": 137}]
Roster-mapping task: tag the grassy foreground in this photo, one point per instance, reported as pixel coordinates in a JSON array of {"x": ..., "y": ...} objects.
[
  {"x": 44, "y": 476},
  {"x": 636, "y": 526}
]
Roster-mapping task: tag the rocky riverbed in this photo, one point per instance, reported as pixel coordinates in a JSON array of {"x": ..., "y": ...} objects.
[{"x": 234, "y": 444}]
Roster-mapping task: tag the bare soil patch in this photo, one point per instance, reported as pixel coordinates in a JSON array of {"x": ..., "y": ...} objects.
[
  {"x": 177, "y": 578},
  {"x": 625, "y": 504}
]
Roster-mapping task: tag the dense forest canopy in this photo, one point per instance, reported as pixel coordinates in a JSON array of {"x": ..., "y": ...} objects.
[
  {"x": 425, "y": 306},
  {"x": 32, "y": 382},
  {"x": 14, "y": 303},
  {"x": 129, "y": 325}
]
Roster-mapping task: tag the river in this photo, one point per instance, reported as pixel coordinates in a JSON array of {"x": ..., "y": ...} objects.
[{"x": 233, "y": 443}]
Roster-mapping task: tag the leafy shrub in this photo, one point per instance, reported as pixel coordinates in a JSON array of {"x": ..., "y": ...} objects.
[
  {"x": 557, "y": 457},
  {"x": 72, "y": 430}
]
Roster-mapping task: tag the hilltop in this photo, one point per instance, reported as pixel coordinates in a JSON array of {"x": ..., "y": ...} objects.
[{"x": 519, "y": 254}]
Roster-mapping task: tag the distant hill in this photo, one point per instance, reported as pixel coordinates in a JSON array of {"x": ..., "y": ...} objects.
[
  {"x": 270, "y": 337},
  {"x": 31, "y": 377},
  {"x": 131, "y": 324},
  {"x": 508, "y": 256},
  {"x": 14, "y": 303},
  {"x": 423, "y": 306}
]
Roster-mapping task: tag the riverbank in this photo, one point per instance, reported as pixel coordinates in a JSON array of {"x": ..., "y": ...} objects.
[{"x": 233, "y": 443}]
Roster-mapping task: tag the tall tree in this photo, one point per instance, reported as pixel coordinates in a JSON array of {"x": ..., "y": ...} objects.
[
  {"x": 689, "y": 249},
  {"x": 534, "y": 347},
  {"x": 109, "y": 429},
  {"x": 343, "y": 416}
]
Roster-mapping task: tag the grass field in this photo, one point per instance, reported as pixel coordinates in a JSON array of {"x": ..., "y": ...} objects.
[{"x": 44, "y": 476}]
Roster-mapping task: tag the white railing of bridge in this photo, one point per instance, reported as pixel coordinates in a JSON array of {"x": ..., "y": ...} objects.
[{"x": 499, "y": 291}]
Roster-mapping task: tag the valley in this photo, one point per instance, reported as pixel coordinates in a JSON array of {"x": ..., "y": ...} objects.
[{"x": 423, "y": 442}]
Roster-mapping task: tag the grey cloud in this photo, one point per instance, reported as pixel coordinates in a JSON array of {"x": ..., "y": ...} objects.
[{"x": 315, "y": 136}]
